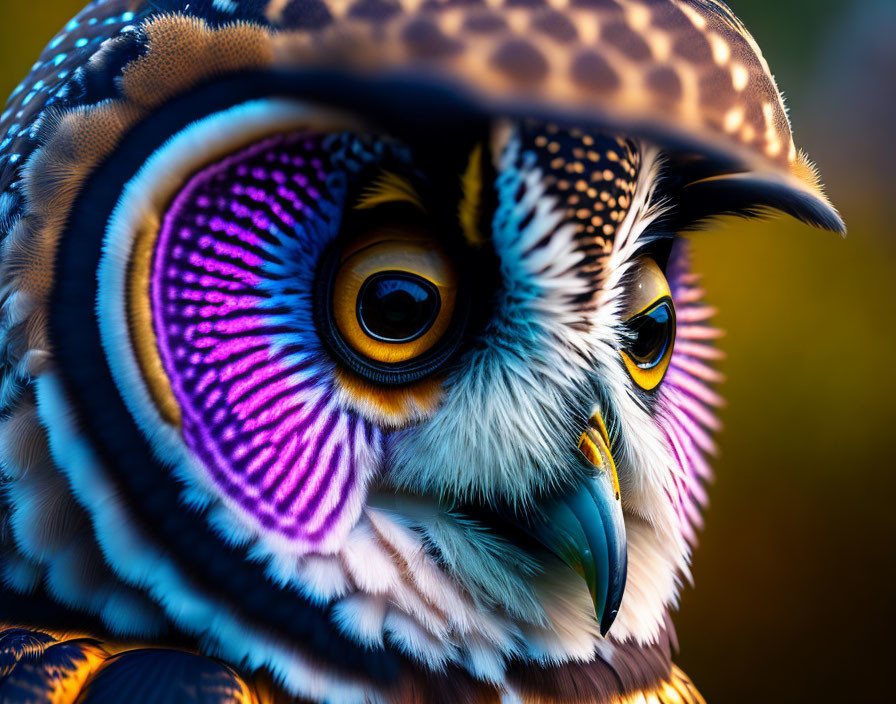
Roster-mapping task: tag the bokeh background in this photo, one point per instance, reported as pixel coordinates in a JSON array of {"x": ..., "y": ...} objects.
[{"x": 794, "y": 579}]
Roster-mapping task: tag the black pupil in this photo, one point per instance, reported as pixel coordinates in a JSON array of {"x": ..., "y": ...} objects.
[
  {"x": 651, "y": 333},
  {"x": 395, "y": 306}
]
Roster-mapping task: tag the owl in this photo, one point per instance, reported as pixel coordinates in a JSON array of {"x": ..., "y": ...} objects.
[{"x": 350, "y": 349}]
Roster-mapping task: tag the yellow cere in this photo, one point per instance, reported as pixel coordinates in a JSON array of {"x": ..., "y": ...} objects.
[
  {"x": 594, "y": 445},
  {"x": 596, "y": 421}
]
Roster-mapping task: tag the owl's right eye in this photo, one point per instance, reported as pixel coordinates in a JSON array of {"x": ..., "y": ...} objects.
[
  {"x": 392, "y": 305},
  {"x": 394, "y": 298}
]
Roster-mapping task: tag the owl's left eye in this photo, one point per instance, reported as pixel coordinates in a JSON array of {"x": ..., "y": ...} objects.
[
  {"x": 652, "y": 334},
  {"x": 650, "y": 327}
]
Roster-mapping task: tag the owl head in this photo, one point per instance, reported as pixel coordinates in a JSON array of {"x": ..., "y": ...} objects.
[{"x": 358, "y": 341}]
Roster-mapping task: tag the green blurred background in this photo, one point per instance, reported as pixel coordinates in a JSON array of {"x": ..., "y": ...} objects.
[{"x": 794, "y": 597}]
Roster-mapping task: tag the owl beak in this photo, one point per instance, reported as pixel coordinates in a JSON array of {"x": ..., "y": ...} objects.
[{"x": 585, "y": 527}]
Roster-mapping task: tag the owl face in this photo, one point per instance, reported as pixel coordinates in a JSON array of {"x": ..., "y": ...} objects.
[
  {"x": 304, "y": 327},
  {"x": 348, "y": 372}
]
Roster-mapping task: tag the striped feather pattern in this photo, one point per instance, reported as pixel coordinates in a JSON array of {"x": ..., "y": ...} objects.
[
  {"x": 687, "y": 401},
  {"x": 231, "y": 300}
]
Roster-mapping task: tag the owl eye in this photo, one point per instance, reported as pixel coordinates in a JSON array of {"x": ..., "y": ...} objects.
[
  {"x": 650, "y": 327},
  {"x": 392, "y": 304}
]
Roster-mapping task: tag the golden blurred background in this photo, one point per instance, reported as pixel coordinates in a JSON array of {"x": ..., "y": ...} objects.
[{"x": 793, "y": 596}]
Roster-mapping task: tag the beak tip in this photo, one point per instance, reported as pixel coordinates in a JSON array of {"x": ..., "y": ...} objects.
[
  {"x": 606, "y": 622},
  {"x": 585, "y": 527}
]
